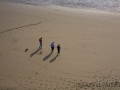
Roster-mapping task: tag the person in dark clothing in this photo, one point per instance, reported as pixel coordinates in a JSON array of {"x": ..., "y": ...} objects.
[
  {"x": 58, "y": 48},
  {"x": 52, "y": 46},
  {"x": 40, "y": 40}
]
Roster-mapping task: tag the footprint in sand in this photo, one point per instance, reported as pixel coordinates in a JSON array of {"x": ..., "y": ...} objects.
[
  {"x": 69, "y": 81},
  {"x": 66, "y": 88}
]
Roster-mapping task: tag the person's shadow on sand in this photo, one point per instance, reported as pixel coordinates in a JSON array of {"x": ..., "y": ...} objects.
[
  {"x": 52, "y": 60},
  {"x": 46, "y": 57},
  {"x": 32, "y": 54}
]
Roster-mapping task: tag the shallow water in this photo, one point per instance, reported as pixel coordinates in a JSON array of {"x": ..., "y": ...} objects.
[{"x": 109, "y": 5}]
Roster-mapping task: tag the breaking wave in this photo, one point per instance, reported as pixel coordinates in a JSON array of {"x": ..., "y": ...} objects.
[{"x": 109, "y": 5}]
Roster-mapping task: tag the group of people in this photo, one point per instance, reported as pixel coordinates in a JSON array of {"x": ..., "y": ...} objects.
[{"x": 52, "y": 46}]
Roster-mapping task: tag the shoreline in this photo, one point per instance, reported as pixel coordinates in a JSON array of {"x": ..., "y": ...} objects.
[{"x": 69, "y": 8}]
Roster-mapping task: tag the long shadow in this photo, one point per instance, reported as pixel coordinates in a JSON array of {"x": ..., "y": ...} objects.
[
  {"x": 46, "y": 57},
  {"x": 52, "y": 60},
  {"x": 32, "y": 54}
]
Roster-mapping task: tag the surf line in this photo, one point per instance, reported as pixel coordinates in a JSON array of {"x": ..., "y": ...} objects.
[{"x": 21, "y": 27}]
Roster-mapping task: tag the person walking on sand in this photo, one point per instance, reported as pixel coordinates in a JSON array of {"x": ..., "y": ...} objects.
[
  {"x": 58, "y": 48},
  {"x": 52, "y": 46},
  {"x": 40, "y": 40}
]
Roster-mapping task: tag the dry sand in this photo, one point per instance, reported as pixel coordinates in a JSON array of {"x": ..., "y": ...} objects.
[{"x": 89, "y": 48}]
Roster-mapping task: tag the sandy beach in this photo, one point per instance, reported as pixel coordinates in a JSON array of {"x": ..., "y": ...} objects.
[{"x": 89, "y": 48}]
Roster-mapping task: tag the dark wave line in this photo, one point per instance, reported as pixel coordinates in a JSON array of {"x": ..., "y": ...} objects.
[{"x": 21, "y": 27}]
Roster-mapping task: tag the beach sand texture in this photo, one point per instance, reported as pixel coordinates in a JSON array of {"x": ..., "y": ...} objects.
[{"x": 89, "y": 48}]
